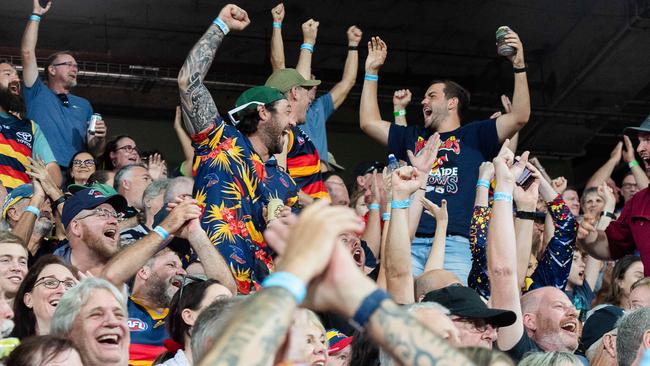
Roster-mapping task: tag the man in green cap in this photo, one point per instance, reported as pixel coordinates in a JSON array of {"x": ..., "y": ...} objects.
[
  {"x": 303, "y": 160},
  {"x": 230, "y": 173}
]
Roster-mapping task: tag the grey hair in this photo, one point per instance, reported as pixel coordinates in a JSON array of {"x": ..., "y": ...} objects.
[
  {"x": 123, "y": 174},
  {"x": 549, "y": 359},
  {"x": 155, "y": 189},
  {"x": 74, "y": 299},
  {"x": 630, "y": 335},
  {"x": 175, "y": 188},
  {"x": 384, "y": 358},
  {"x": 211, "y": 321}
]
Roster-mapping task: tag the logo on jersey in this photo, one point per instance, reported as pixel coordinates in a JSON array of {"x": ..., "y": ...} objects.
[
  {"x": 24, "y": 137},
  {"x": 136, "y": 325}
]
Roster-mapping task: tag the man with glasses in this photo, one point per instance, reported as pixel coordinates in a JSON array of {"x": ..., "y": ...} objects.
[
  {"x": 62, "y": 116},
  {"x": 90, "y": 218},
  {"x": 476, "y": 322}
]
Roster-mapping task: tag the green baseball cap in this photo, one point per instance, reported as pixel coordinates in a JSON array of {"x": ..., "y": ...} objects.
[
  {"x": 260, "y": 95},
  {"x": 105, "y": 189},
  {"x": 285, "y": 79},
  {"x": 253, "y": 97}
]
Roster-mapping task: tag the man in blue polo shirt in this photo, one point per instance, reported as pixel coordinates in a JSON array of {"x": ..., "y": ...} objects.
[
  {"x": 62, "y": 116},
  {"x": 454, "y": 174}
]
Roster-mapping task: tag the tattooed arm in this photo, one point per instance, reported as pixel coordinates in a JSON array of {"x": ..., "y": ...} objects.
[
  {"x": 199, "y": 109},
  {"x": 260, "y": 323}
]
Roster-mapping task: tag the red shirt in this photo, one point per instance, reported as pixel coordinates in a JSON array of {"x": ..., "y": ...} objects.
[{"x": 632, "y": 229}]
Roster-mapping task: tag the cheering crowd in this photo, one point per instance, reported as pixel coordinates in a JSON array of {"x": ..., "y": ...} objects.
[{"x": 458, "y": 249}]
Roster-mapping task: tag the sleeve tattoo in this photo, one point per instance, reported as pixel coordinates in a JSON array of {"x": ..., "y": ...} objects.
[{"x": 199, "y": 109}]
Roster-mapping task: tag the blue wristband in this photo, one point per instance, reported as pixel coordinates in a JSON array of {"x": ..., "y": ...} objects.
[
  {"x": 277, "y": 24},
  {"x": 35, "y": 18},
  {"x": 502, "y": 196},
  {"x": 289, "y": 282},
  {"x": 373, "y": 206},
  {"x": 400, "y": 204},
  {"x": 308, "y": 47},
  {"x": 371, "y": 77},
  {"x": 368, "y": 307},
  {"x": 162, "y": 232},
  {"x": 34, "y": 210},
  {"x": 483, "y": 183},
  {"x": 223, "y": 26},
  {"x": 385, "y": 216}
]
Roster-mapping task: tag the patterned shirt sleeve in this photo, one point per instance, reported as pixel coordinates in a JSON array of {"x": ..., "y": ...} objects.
[
  {"x": 554, "y": 267},
  {"x": 478, "y": 275}
]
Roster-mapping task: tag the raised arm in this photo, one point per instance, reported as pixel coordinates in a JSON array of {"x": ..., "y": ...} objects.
[
  {"x": 186, "y": 144},
  {"x": 526, "y": 201},
  {"x": 372, "y": 233},
  {"x": 369, "y": 116},
  {"x": 509, "y": 123},
  {"x": 478, "y": 229},
  {"x": 340, "y": 91},
  {"x": 605, "y": 171},
  {"x": 309, "y": 34},
  {"x": 640, "y": 176},
  {"x": 401, "y": 99},
  {"x": 436, "y": 258},
  {"x": 213, "y": 263},
  {"x": 199, "y": 109},
  {"x": 127, "y": 262},
  {"x": 397, "y": 258},
  {"x": 277, "y": 46},
  {"x": 502, "y": 251},
  {"x": 423, "y": 163},
  {"x": 28, "y": 44}
]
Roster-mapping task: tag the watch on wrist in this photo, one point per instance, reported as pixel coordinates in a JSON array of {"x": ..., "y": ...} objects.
[{"x": 609, "y": 214}]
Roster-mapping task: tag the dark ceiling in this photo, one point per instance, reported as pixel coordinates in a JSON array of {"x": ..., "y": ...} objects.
[{"x": 589, "y": 60}]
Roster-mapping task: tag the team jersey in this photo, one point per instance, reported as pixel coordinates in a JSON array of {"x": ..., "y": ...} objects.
[
  {"x": 229, "y": 187},
  {"x": 20, "y": 140},
  {"x": 303, "y": 163},
  {"x": 148, "y": 332}
]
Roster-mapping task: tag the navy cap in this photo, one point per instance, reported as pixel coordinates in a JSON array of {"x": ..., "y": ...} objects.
[
  {"x": 600, "y": 322},
  {"x": 88, "y": 199}
]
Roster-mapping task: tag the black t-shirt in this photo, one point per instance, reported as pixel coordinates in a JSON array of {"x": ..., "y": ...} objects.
[
  {"x": 453, "y": 176},
  {"x": 524, "y": 346},
  {"x": 45, "y": 246}
]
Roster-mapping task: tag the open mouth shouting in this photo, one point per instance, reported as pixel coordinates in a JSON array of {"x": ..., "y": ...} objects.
[{"x": 570, "y": 326}]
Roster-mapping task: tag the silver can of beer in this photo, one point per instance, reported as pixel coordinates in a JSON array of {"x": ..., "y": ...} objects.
[
  {"x": 502, "y": 48},
  {"x": 93, "y": 122}
]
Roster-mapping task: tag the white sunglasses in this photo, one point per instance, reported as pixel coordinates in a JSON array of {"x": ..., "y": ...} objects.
[{"x": 233, "y": 112}]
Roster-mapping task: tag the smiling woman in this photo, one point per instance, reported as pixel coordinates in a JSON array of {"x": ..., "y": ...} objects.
[{"x": 39, "y": 294}]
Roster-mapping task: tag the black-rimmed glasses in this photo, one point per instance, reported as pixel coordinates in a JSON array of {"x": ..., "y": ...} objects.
[{"x": 53, "y": 283}]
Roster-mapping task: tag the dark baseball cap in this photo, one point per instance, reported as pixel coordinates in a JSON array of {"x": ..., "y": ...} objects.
[
  {"x": 88, "y": 199},
  {"x": 467, "y": 303},
  {"x": 285, "y": 79},
  {"x": 600, "y": 322},
  {"x": 645, "y": 127},
  {"x": 367, "y": 167}
]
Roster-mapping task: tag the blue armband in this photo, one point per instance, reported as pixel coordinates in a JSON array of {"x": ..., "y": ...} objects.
[
  {"x": 502, "y": 196},
  {"x": 277, "y": 24},
  {"x": 400, "y": 204},
  {"x": 162, "y": 232},
  {"x": 368, "y": 307},
  {"x": 308, "y": 47},
  {"x": 34, "y": 210},
  {"x": 385, "y": 216},
  {"x": 373, "y": 206},
  {"x": 35, "y": 18},
  {"x": 223, "y": 26},
  {"x": 371, "y": 77},
  {"x": 289, "y": 282},
  {"x": 483, "y": 183}
]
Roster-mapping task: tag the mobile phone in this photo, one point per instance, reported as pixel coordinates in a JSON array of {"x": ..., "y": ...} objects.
[
  {"x": 43, "y": 3},
  {"x": 525, "y": 179}
]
